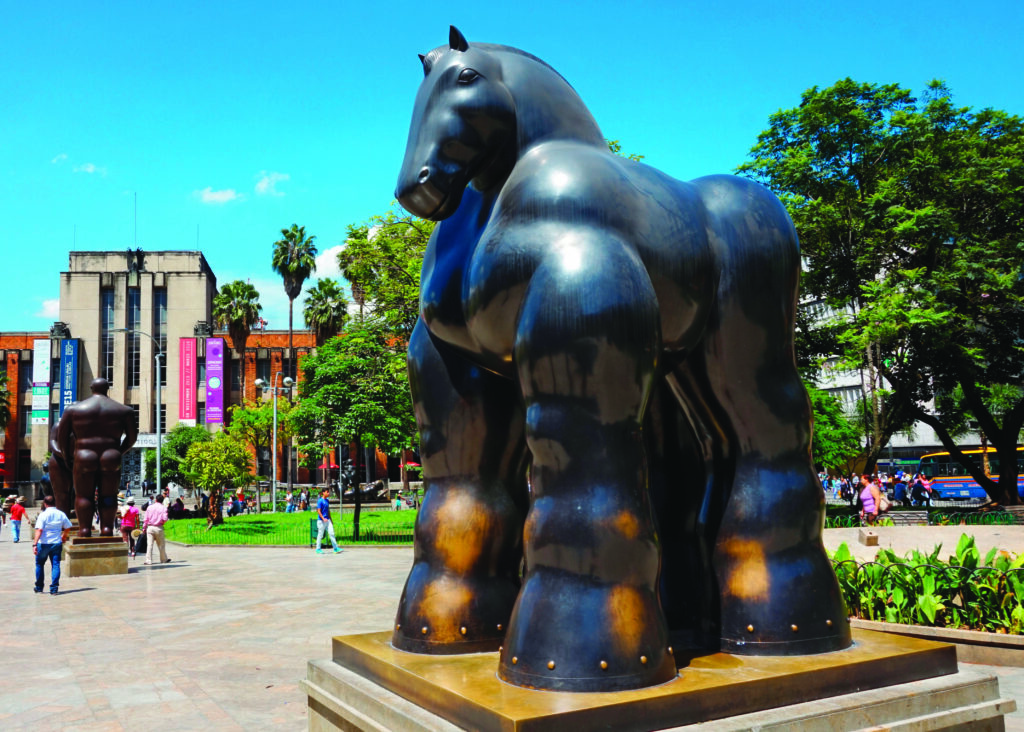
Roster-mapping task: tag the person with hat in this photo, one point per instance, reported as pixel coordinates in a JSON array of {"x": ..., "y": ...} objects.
[
  {"x": 17, "y": 514},
  {"x": 129, "y": 522}
]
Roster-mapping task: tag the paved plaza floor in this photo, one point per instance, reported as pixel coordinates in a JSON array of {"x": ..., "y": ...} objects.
[{"x": 218, "y": 639}]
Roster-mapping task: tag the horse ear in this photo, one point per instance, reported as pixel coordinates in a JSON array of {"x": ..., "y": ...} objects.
[
  {"x": 426, "y": 64},
  {"x": 456, "y": 40}
]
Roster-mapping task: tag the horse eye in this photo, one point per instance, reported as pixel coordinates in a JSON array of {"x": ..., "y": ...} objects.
[{"x": 467, "y": 75}]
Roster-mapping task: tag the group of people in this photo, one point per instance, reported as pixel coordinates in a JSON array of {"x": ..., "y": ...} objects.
[
  {"x": 875, "y": 493},
  {"x": 296, "y": 502},
  {"x": 151, "y": 523}
]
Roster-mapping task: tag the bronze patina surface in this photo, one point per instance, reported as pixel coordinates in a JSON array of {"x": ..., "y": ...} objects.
[
  {"x": 465, "y": 689},
  {"x": 605, "y": 389}
]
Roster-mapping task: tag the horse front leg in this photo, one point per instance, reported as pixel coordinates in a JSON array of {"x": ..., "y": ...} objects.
[
  {"x": 465, "y": 575},
  {"x": 588, "y": 617}
]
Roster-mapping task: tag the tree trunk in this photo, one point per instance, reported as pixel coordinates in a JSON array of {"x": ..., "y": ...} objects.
[{"x": 359, "y": 503}]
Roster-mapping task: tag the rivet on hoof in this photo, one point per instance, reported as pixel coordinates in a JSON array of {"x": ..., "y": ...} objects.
[
  {"x": 463, "y": 630},
  {"x": 515, "y": 660},
  {"x": 398, "y": 626},
  {"x": 499, "y": 626},
  {"x": 643, "y": 659},
  {"x": 424, "y": 631},
  {"x": 828, "y": 623},
  {"x": 750, "y": 628},
  {"x": 501, "y": 648},
  {"x": 794, "y": 628},
  {"x": 551, "y": 664},
  {"x": 604, "y": 665},
  {"x": 670, "y": 651}
]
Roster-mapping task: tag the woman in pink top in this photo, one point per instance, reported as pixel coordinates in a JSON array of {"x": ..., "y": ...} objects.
[
  {"x": 870, "y": 499},
  {"x": 129, "y": 522}
]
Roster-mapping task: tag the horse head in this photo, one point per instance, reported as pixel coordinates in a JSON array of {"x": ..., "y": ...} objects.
[{"x": 463, "y": 129}]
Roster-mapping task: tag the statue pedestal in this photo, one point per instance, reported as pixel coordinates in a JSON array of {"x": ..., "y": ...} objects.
[
  {"x": 882, "y": 679},
  {"x": 93, "y": 555}
]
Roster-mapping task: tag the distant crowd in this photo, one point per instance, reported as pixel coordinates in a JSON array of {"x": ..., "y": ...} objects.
[{"x": 874, "y": 494}]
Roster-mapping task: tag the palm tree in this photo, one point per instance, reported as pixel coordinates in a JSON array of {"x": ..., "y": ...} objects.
[
  {"x": 237, "y": 307},
  {"x": 325, "y": 309},
  {"x": 294, "y": 259}
]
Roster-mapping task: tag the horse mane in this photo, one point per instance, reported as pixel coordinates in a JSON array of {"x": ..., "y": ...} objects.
[{"x": 431, "y": 57}]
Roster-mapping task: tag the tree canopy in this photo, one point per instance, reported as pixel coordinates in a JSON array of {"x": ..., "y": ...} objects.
[
  {"x": 172, "y": 454},
  {"x": 221, "y": 462},
  {"x": 382, "y": 259},
  {"x": 837, "y": 439},
  {"x": 911, "y": 219},
  {"x": 237, "y": 308}
]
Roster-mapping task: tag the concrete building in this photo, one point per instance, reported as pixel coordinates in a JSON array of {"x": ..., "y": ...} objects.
[{"x": 118, "y": 311}]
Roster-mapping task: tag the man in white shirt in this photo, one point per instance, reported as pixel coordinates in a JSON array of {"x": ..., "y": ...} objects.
[{"x": 52, "y": 529}]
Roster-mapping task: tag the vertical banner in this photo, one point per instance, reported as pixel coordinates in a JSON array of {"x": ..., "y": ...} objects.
[
  {"x": 214, "y": 381},
  {"x": 68, "y": 373},
  {"x": 41, "y": 362},
  {"x": 187, "y": 381}
]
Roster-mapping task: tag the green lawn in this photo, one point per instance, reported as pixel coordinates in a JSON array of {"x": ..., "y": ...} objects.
[{"x": 293, "y": 529}]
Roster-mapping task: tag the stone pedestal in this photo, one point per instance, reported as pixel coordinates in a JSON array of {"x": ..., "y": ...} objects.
[
  {"x": 88, "y": 556},
  {"x": 902, "y": 683}
]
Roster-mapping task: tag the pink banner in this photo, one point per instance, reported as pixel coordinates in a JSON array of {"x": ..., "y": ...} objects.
[{"x": 187, "y": 380}]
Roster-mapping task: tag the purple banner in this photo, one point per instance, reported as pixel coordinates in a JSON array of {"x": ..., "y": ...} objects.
[{"x": 214, "y": 381}]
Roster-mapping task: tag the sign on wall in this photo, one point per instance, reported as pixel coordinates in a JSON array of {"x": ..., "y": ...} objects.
[
  {"x": 68, "y": 373},
  {"x": 214, "y": 381},
  {"x": 41, "y": 362},
  {"x": 41, "y": 405},
  {"x": 187, "y": 381}
]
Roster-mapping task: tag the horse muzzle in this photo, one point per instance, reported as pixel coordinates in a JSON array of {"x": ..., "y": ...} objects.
[{"x": 423, "y": 197}]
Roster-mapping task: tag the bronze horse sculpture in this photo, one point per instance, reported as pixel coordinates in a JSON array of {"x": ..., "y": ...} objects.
[{"x": 614, "y": 437}]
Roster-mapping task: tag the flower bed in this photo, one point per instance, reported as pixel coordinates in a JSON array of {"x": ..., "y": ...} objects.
[{"x": 966, "y": 591}]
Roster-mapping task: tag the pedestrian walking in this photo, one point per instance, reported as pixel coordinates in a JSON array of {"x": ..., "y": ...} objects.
[
  {"x": 17, "y": 514},
  {"x": 324, "y": 523},
  {"x": 52, "y": 529},
  {"x": 153, "y": 523},
  {"x": 129, "y": 522}
]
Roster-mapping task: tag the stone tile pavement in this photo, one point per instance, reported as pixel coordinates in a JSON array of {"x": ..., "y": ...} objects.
[{"x": 218, "y": 639}]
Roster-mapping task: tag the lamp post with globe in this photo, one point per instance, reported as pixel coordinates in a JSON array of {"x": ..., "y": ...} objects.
[{"x": 286, "y": 384}]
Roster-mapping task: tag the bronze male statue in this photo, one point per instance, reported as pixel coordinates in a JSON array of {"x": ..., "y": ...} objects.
[
  {"x": 97, "y": 432},
  {"x": 60, "y": 475},
  {"x": 604, "y": 383}
]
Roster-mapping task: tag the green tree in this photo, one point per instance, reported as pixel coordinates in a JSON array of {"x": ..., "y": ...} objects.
[
  {"x": 215, "y": 465},
  {"x": 616, "y": 148},
  {"x": 325, "y": 309},
  {"x": 294, "y": 258},
  {"x": 382, "y": 260},
  {"x": 237, "y": 308},
  {"x": 253, "y": 424},
  {"x": 837, "y": 439},
  {"x": 173, "y": 452},
  {"x": 910, "y": 216},
  {"x": 355, "y": 389}
]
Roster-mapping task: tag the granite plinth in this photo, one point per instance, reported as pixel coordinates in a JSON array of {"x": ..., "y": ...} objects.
[
  {"x": 88, "y": 556},
  {"x": 369, "y": 685}
]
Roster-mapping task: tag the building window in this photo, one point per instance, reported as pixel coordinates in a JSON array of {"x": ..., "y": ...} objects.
[
  {"x": 135, "y": 415},
  {"x": 24, "y": 422},
  {"x": 201, "y": 414},
  {"x": 54, "y": 416},
  {"x": 24, "y": 465},
  {"x": 263, "y": 369},
  {"x": 133, "y": 341},
  {"x": 106, "y": 369},
  {"x": 236, "y": 376},
  {"x": 163, "y": 419},
  {"x": 25, "y": 376},
  {"x": 200, "y": 374},
  {"x": 160, "y": 325}
]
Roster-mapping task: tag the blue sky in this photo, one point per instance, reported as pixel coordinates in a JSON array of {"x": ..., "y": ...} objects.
[{"x": 227, "y": 121}]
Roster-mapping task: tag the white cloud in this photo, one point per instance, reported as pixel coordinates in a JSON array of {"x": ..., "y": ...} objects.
[
  {"x": 267, "y": 183},
  {"x": 59, "y": 158},
  {"x": 49, "y": 309},
  {"x": 208, "y": 195},
  {"x": 327, "y": 264},
  {"x": 89, "y": 168}
]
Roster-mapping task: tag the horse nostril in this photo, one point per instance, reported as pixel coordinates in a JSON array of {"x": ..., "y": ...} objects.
[{"x": 424, "y": 174}]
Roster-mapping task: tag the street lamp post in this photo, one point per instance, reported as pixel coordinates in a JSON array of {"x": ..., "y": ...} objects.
[
  {"x": 286, "y": 384},
  {"x": 157, "y": 357}
]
